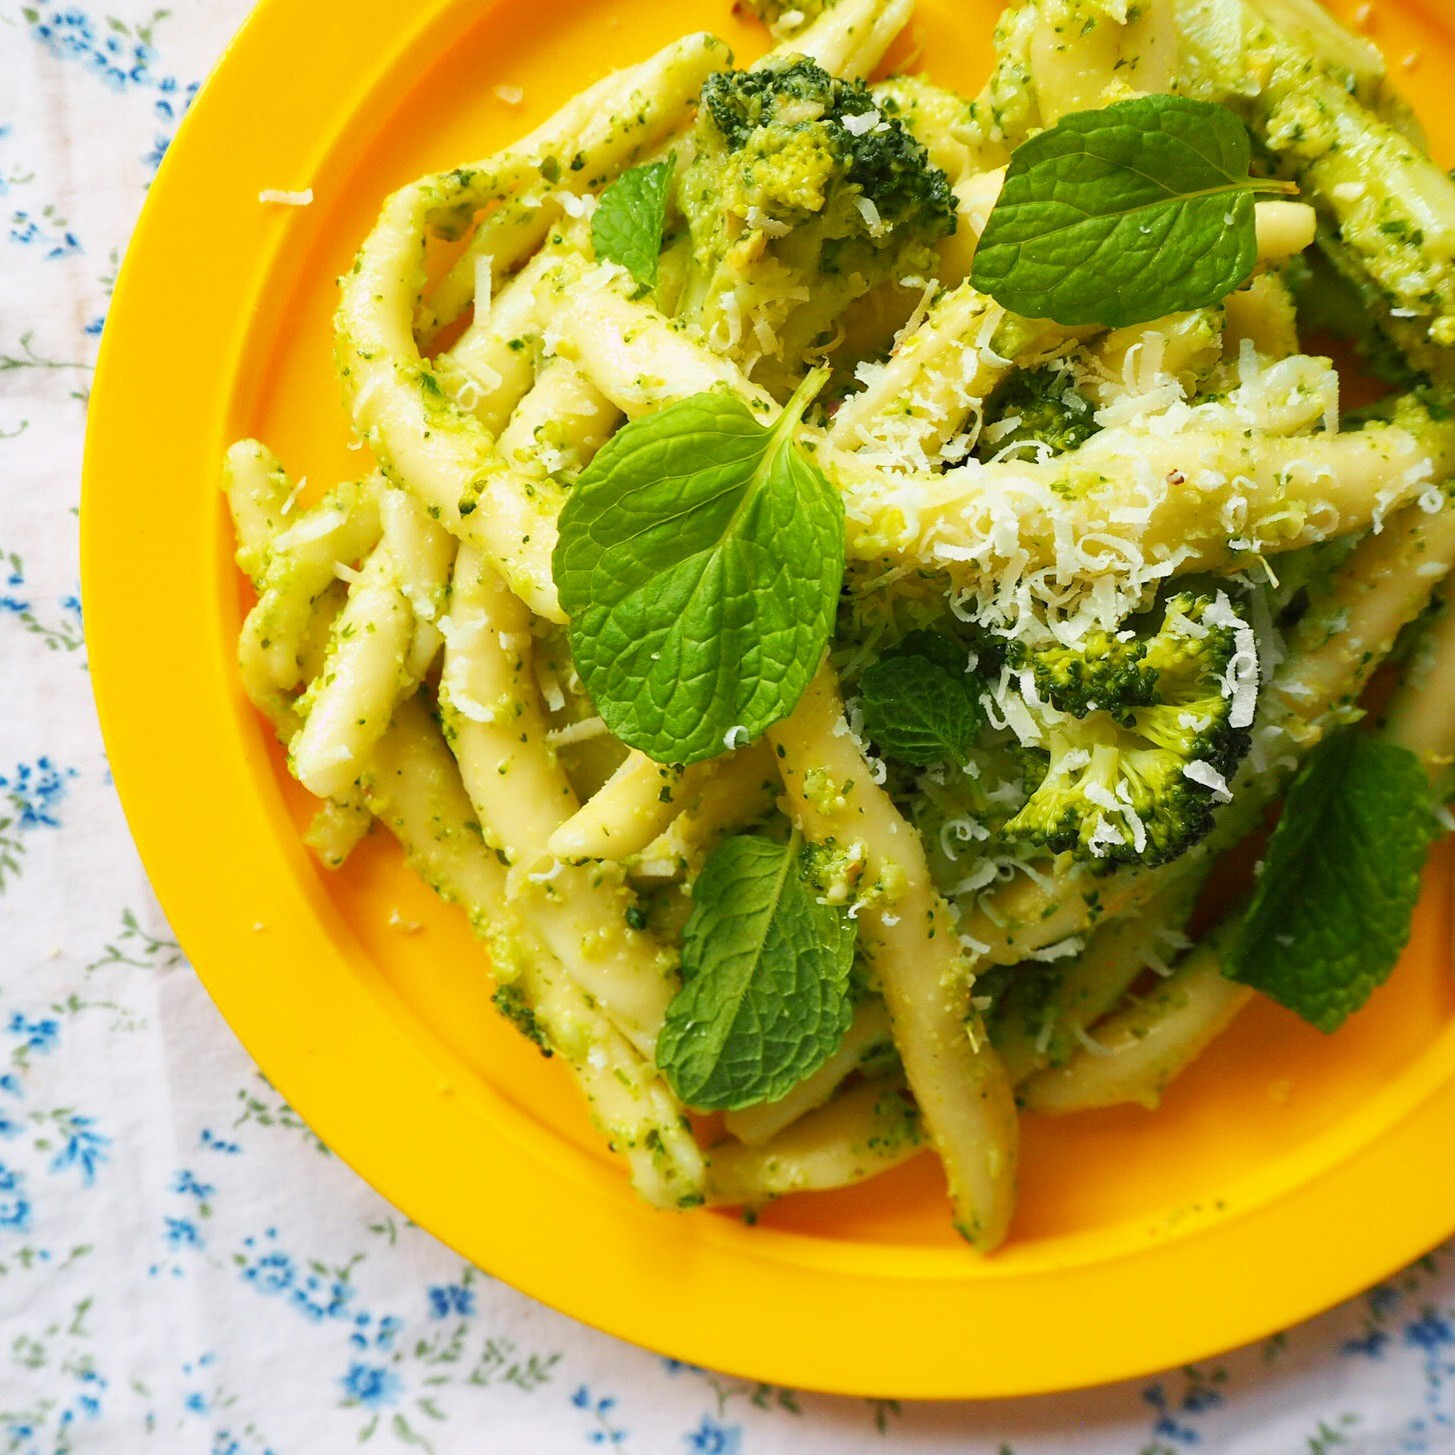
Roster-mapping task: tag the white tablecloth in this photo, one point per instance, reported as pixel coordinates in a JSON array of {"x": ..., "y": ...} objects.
[{"x": 183, "y": 1268}]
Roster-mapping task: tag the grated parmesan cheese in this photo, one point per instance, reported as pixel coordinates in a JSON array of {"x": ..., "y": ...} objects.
[
  {"x": 1241, "y": 680},
  {"x": 862, "y": 125},
  {"x": 1209, "y": 777},
  {"x": 484, "y": 287},
  {"x": 1061, "y": 950},
  {"x": 576, "y": 732},
  {"x": 287, "y": 506}
]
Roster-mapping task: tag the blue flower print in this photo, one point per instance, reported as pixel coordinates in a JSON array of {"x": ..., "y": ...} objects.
[
  {"x": 272, "y": 1273},
  {"x": 1430, "y": 1332},
  {"x": 714, "y": 1438},
  {"x": 182, "y": 1233},
  {"x": 606, "y": 1432},
  {"x": 14, "y": 581},
  {"x": 370, "y": 1386},
  {"x": 446, "y": 1299},
  {"x": 214, "y": 1143},
  {"x": 71, "y": 34},
  {"x": 14, "y": 1205},
  {"x": 84, "y": 1147},
  {"x": 122, "y": 57},
  {"x": 37, "y": 1035},
  {"x": 51, "y": 238},
  {"x": 1371, "y": 1344},
  {"x": 35, "y": 791},
  {"x": 186, "y": 1183}
]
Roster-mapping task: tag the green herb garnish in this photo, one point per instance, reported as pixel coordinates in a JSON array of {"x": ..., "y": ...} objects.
[
  {"x": 1125, "y": 214},
  {"x": 919, "y": 707},
  {"x": 627, "y": 225},
  {"x": 699, "y": 560},
  {"x": 766, "y": 995},
  {"x": 1332, "y": 910}
]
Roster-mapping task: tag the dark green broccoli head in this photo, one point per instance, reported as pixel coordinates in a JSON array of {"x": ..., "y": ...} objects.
[
  {"x": 1153, "y": 729},
  {"x": 1041, "y": 407},
  {"x": 760, "y": 128},
  {"x": 1103, "y": 674},
  {"x": 801, "y": 195}
]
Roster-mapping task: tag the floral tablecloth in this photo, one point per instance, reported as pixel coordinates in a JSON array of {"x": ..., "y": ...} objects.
[{"x": 183, "y": 1267}]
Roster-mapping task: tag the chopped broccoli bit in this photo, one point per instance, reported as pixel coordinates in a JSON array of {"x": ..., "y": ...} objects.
[
  {"x": 1037, "y": 409},
  {"x": 801, "y": 196},
  {"x": 1140, "y": 740},
  {"x": 510, "y": 1001}
]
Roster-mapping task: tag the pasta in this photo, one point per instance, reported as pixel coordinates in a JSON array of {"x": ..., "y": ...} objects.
[{"x": 829, "y": 683}]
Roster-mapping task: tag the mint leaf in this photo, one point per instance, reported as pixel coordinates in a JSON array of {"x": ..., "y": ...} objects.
[
  {"x": 627, "y": 225},
  {"x": 1332, "y": 909},
  {"x": 1123, "y": 215},
  {"x": 765, "y": 1000},
  {"x": 699, "y": 561},
  {"x": 919, "y": 709}
]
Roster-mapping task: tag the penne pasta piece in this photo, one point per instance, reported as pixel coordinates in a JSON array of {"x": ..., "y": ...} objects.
[
  {"x": 414, "y": 788},
  {"x": 301, "y": 565},
  {"x": 423, "y": 554},
  {"x": 1037, "y": 1026},
  {"x": 1284, "y": 229},
  {"x": 638, "y": 358},
  {"x": 560, "y": 423},
  {"x": 491, "y": 712},
  {"x": 1263, "y": 313},
  {"x": 858, "y": 1135},
  {"x": 635, "y": 805},
  {"x": 907, "y": 932},
  {"x": 939, "y": 375},
  {"x": 348, "y": 706},
  {"x": 259, "y": 495},
  {"x": 850, "y": 37},
  {"x": 338, "y": 828},
  {"x": 496, "y": 355},
  {"x": 1421, "y": 714},
  {"x": 1132, "y": 1056},
  {"x": 741, "y": 791},
  {"x": 1178, "y": 350}
]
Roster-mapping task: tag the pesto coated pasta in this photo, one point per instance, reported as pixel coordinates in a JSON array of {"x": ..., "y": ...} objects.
[{"x": 843, "y": 563}]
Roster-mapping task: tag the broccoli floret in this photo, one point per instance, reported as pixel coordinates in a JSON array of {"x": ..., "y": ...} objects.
[
  {"x": 799, "y": 197},
  {"x": 1037, "y": 409},
  {"x": 1140, "y": 739}
]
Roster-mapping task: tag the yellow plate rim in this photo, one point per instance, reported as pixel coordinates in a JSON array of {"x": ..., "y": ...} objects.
[{"x": 456, "y": 1158}]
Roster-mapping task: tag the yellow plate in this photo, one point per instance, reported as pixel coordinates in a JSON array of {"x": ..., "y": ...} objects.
[{"x": 1286, "y": 1170}]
